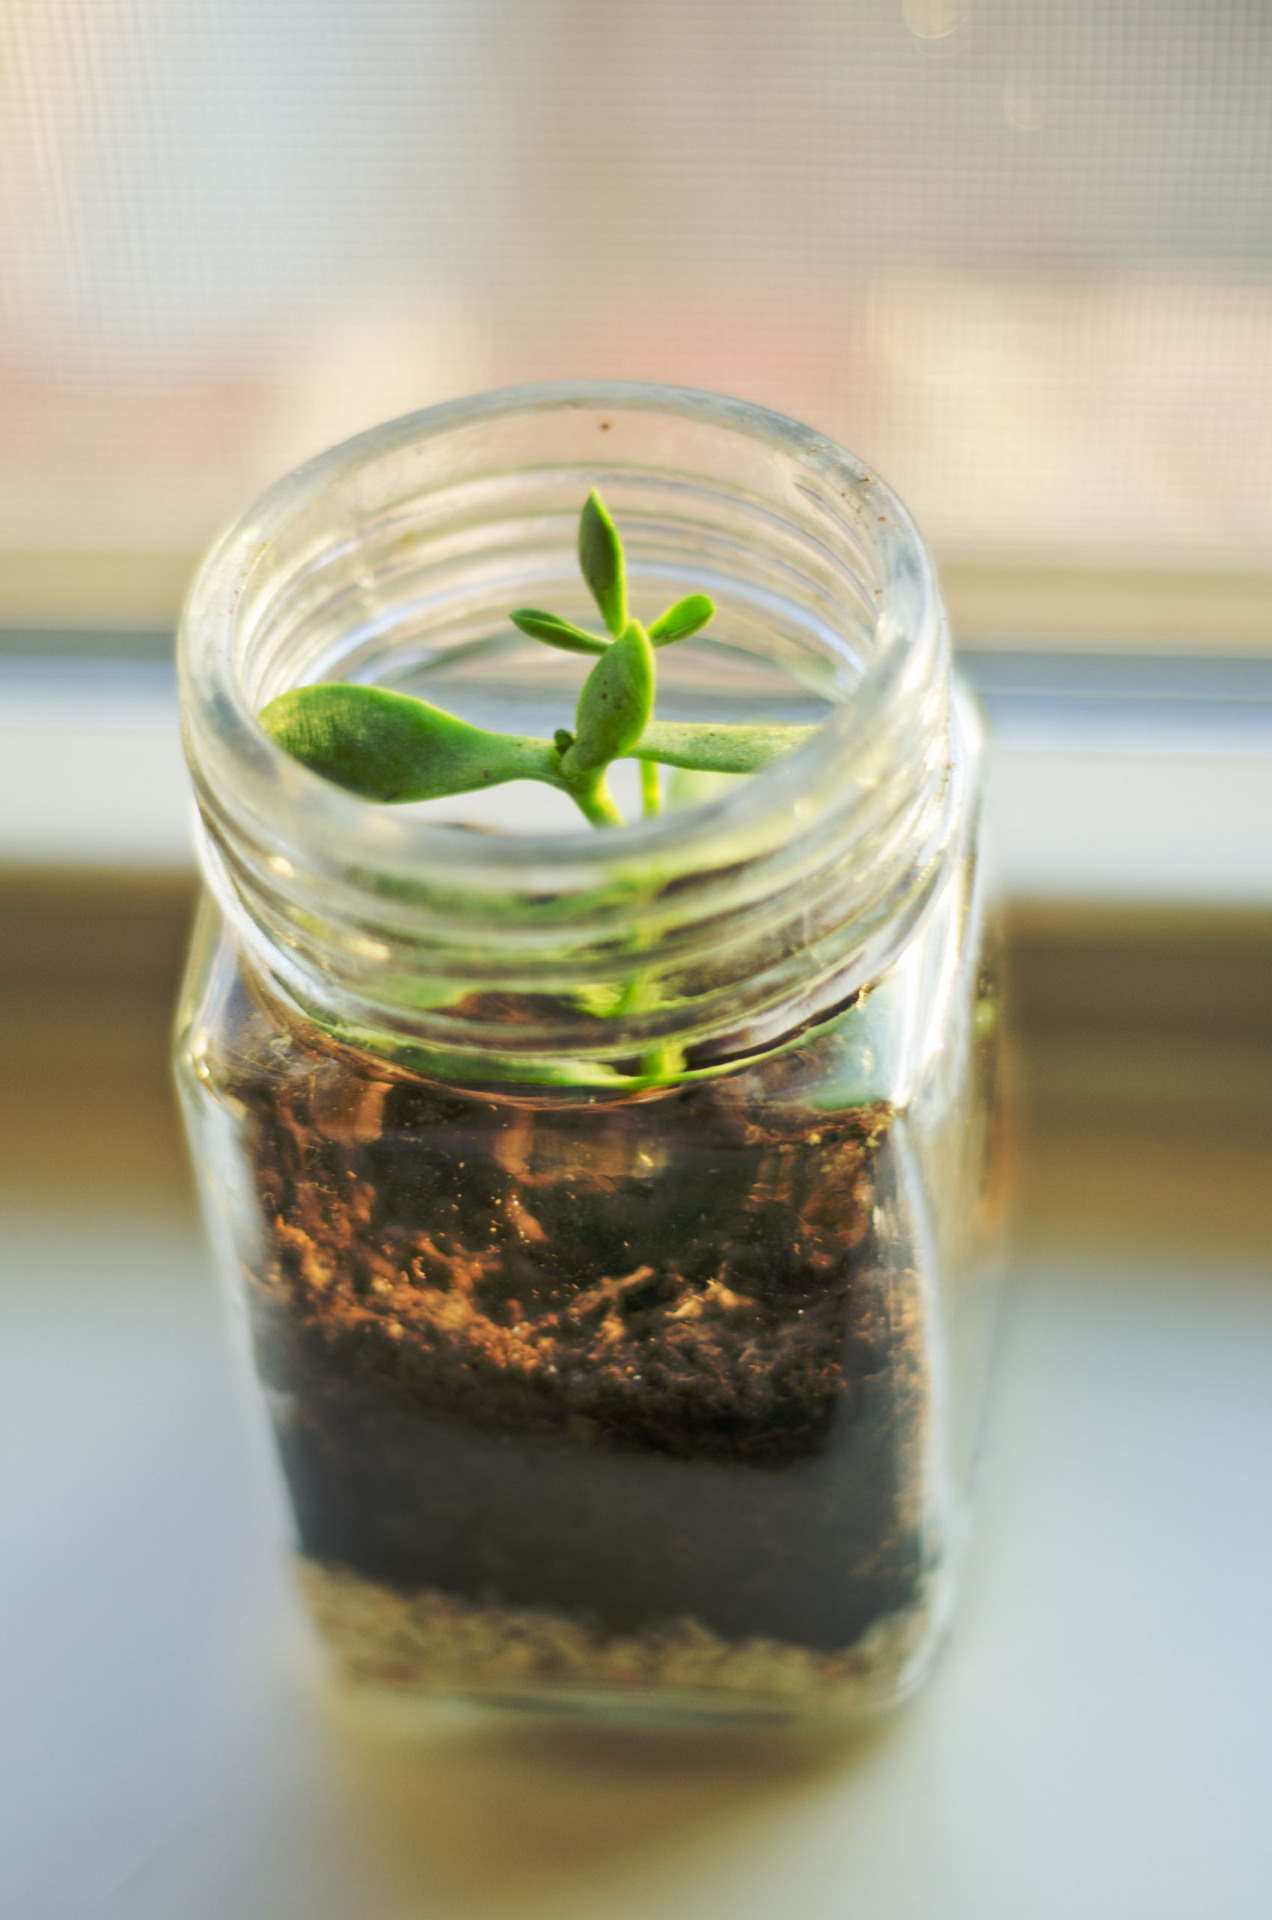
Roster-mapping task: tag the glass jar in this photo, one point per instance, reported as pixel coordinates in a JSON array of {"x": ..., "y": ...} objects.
[{"x": 608, "y": 1207}]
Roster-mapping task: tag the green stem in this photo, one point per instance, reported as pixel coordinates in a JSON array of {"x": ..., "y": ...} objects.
[
  {"x": 596, "y": 803},
  {"x": 661, "y": 1064},
  {"x": 650, "y": 789}
]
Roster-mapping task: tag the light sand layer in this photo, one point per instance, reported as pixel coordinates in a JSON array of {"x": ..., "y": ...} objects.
[{"x": 436, "y": 1643}]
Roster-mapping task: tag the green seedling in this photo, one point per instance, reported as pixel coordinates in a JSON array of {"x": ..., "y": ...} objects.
[{"x": 392, "y": 747}]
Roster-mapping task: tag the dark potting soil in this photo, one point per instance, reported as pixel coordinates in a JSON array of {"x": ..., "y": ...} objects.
[{"x": 635, "y": 1361}]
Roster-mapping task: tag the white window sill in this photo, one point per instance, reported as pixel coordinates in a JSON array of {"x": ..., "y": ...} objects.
[{"x": 1093, "y": 1742}]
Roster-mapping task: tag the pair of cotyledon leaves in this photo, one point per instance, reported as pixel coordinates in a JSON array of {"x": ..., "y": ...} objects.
[{"x": 391, "y": 747}]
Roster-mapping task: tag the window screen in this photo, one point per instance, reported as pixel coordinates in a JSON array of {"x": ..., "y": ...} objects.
[{"x": 1016, "y": 252}]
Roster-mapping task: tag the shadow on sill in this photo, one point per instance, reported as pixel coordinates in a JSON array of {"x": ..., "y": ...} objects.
[{"x": 1141, "y": 1056}]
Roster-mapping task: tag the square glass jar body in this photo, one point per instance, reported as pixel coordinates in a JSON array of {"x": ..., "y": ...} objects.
[{"x": 659, "y": 1404}]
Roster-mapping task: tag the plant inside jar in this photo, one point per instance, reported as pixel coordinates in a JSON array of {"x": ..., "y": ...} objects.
[{"x": 616, "y": 1388}]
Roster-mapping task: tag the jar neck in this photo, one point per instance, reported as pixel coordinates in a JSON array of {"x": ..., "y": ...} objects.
[{"x": 647, "y": 951}]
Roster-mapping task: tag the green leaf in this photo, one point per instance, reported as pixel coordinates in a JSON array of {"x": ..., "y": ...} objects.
[
  {"x": 391, "y": 747},
  {"x": 616, "y": 700},
  {"x": 717, "y": 749},
  {"x": 556, "y": 632},
  {"x": 601, "y": 562},
  {"x": 686, "y": 617}
]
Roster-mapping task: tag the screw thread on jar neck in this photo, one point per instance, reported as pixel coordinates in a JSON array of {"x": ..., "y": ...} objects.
[{"x": 741, "y": 918}]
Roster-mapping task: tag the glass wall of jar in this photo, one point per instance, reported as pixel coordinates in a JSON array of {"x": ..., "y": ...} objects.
[{"x": 608, "y": 1206}]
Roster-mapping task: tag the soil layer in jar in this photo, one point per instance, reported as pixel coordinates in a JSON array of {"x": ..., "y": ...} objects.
[{"x": 634, "y": 1362}]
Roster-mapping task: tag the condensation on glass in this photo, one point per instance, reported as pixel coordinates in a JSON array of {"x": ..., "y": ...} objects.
[{"x": 609, "y": 1210}]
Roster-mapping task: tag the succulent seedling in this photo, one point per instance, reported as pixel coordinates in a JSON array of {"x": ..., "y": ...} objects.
[{"x": 393, "y": 747}]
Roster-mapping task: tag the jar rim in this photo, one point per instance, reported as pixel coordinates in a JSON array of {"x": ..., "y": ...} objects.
[
  {"x": 214, "y": 697},
  {"x": 265, "y": 815}
]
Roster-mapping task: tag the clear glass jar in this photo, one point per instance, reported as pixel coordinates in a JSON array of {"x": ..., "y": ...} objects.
[{"x": 608, "y": 1207}]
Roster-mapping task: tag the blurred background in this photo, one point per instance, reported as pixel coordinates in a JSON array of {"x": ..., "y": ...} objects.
[{"x": 1016, "y": 253}]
